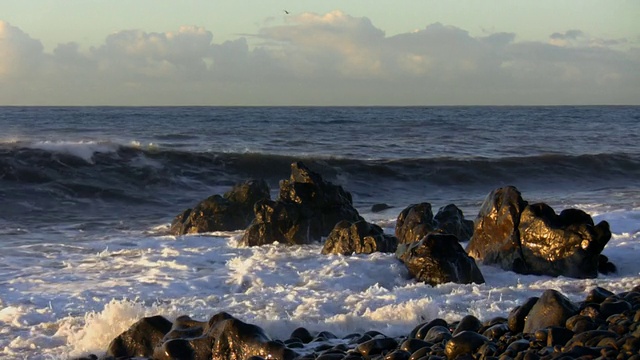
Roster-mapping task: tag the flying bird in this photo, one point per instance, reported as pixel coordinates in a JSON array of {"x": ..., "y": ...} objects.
[{"x": 286, "y": 12}]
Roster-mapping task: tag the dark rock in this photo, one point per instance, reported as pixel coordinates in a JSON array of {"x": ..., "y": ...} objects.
[
  {"x": 360, "y": 237},
  {"x": 532, "y": 239},
  {"x": 417, "y": 221},
  {"x": 589, "y": 338},
  {"x": 496, "y": 331},
  {"x": 420, "y": 331},
  {"x": 232, "y": 211},
  {"x": 466, "y": 342},
  {"x": 306, "y": 210},
  {"x": 377, "y": 346},
  {"x": 608, "y": 308},
  {"x": 437, "y": 334},
  {"x": 439, "y": 259},
  {"x": 303, "y": 334},
  {"x": 558, "y": 335},
  {"x": 468, "y": 323},
  {"x": 597, "y": 295},
  {"x": 380, "y": 207},
  {"x": 140, "y": 339},
  {"x": 580, "y": 323},
  {"x": 605, "y": 266},
  {"x": 398, "y": 355},
  {"x": 552, "y": 309},
  {"x": 412, "y": 345},
  {"x": 451, "y": 220}
]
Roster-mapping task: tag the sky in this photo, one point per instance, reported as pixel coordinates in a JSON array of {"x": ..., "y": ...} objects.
[{"x": 347, "y": 52}]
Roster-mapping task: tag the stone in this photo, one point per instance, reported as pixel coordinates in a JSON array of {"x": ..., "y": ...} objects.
[
  {"x": 360, "y": 237},
  {"x": 551, "y": 309},
  {"x": 518, "y": 315},
  {"x": 232, "y": 211},
  {"x": 140, "y": 339},
  {"x": 439, "y": 259},
  {"x": 307, "y": 209},
  {"x": 417, "y": 221},
  {"x": 532, "y": 239},
  {"x": 466, "y": 342}
]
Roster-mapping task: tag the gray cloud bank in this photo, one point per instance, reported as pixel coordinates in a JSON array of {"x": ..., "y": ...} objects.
[{"x": 328, "y": 59}]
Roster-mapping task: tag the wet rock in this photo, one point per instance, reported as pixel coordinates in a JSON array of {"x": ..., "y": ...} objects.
[
  {"x": 417, "y": 221},
  {"x": 307, "y": 209},
  {"x": 380, "y": 207},
  {"x": 466, "y": 342},
  {"x": 232, "y": 211},
  {"x": 140, "y": 339},
  {"x": 532, "y": 239},
  {"x": 438, "y": 334},
  {"x": 420, "y": 331},
  {"x": 377, "y": 346},
  {"x": 552, "y": 309},
  {"x": 468, "y": 323},
  {"x": 303, "y": 334},
  {"x": 439, "y": 259},
  {"x": 360, "y": 237},
  {"x": 597, "y": 295}
]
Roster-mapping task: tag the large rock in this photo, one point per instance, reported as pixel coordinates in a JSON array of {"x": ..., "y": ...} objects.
[
  {"x": 232, "y": 211},
  {"x": 222, "y": 337},
  {"x": 551, "y": 309},
  {"x": 140, "y": 339},
  {"x": 307, "y": 209},
  {"x": 532, "y": 239},
  {"x": 417, "y": 220},
  {"x": 439, "y": 259},
  {"x": 360, "y": 237}
]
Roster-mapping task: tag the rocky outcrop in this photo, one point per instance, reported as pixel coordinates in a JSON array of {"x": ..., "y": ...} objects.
[
  {"x": 232, "y": 211},
  {"x": 417, "y": 220},
  {"x": 360, "y": 237},
  {"x": 533, "y": 239},
  {"x": 439, "y": 259},
  {"x": 307, "y": 209}
]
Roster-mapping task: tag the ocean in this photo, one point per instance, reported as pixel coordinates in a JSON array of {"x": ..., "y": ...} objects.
[{"x": 87, "y": 195}]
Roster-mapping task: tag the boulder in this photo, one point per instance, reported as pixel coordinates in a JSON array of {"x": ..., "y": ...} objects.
[
  {"x": 438, "y": 259},
  {"x": 417, "y": 220},
  {"x": 307, "y": 209},
  {"x": 222, "y": 337},
  {"x": 140, "y": 339},
  {"x": 551, "y": 309},
  {"x": 532, "y": 239},
  {"x": 232, "y": 211},
  {"x": 360, "y": 237}
]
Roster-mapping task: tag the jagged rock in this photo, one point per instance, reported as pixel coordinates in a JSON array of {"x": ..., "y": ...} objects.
[
  {"x": 306, "y": 210},
  {"x": 416, "y": 221},
  {"x": 232, "y": 211},
  {"x": 439, "y": 259},
  {"x": 140, "y": 339},
  {"x": 360, "y": 237},
  {"x": 532, "y": 239}
]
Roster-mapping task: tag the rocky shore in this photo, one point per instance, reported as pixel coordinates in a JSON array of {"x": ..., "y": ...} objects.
[{"x": 602, "y": 326}]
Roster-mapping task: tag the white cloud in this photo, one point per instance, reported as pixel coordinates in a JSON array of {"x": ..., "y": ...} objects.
[{"x": 331, "y": 58}]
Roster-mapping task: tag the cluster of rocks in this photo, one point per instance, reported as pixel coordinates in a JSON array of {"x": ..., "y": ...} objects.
[
  {"x": 605, "y": 326},
  {"x": 508, "y": 231}
]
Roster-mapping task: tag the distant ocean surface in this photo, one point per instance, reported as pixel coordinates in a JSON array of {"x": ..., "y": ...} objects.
[{"x": 87, "y": 194}]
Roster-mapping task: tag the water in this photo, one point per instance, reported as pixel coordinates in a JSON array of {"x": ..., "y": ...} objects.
[{"x": 87, "y": 195}]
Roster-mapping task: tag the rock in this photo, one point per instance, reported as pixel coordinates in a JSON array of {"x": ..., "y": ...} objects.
[
  {"x": 360, "y": 237},
  {"x": 552, "y": 309},
  {"x": 466, "y": 342},
  {"x": 140, "y": 339},
  {"x": 451, "y": 220},
  {"x": 414, "y": 223},
  {"x": 377, "y": 346},
  {"x": 439, "y": 259},
  {"x": 468, "y": 323},
  {"x": 532, "y": 239},
  {"x": 232, "y": 211},
  {"x": 437, "y": 334},
  {"x": 420, "y": 331},
  {"x": 417, "y": 221},
  {"x": 307, "y": 209},
  {"x": 518, "y": 315},
  {"x": 380, "y": 207}
]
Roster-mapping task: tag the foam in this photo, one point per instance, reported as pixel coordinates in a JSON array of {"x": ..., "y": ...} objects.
[
  {"x": 84, "y": 149},
  {"x": 110, "y": 282}
]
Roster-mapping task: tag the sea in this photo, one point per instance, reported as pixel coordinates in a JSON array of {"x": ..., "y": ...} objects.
[{"x": 87, "y": 195}]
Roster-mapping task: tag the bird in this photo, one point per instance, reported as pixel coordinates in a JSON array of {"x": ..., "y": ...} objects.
[{"x": 286, "y": 12}]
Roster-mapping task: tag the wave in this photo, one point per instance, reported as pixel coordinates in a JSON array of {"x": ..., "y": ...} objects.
[{"x": 131, "y": 165}]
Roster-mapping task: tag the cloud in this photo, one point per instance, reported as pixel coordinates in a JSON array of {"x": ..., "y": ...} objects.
[{"x": 320, "y": 59}]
